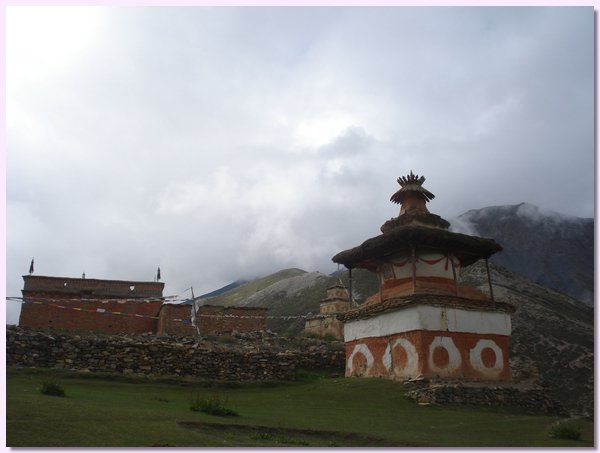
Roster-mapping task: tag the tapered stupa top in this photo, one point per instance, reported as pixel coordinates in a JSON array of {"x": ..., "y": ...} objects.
[
  {"x": 412, "y": 187},
  {"x": 412, "y": 196}
]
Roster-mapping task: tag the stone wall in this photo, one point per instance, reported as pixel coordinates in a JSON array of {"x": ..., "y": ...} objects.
[
  {"x": 175, "y": 356},
  {"x": 537, "y": 399},
  {"x": 327, "y": 326}
]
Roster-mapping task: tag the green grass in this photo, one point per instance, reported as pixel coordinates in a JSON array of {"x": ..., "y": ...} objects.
[{"x": 114, "y": 412}]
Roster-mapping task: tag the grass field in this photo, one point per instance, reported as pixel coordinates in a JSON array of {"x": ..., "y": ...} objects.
[{"x": 116, "y": 411}]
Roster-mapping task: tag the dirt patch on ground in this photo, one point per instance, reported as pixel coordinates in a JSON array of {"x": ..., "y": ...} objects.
[{"x": 296, "y": 436}]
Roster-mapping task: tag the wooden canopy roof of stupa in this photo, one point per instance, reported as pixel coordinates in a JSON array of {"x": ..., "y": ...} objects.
[{"x": 468, "y": 249}]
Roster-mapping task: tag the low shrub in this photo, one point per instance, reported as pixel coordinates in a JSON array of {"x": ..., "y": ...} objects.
[
  {"x": 566, "y": 430},
  {"x": 311, "y": 335},
  {"x": 212, "y": 405},
  {"x": 52, "y": 389}
]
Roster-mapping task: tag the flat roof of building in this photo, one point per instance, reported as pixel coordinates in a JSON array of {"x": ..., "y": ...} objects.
[{"x": 92, "y": 286}]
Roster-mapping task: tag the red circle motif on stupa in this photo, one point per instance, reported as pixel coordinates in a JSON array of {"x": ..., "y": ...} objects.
[
  {"x": 488, "y": 357},
  {"x": 399, "y": 357},
  {"x": 444, "y": 356},
  {"x": 359, "y": 363},
  {"x": 441, "y": 358}
]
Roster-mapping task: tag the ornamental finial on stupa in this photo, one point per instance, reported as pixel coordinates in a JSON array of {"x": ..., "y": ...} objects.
[{"x": 412, "y": 187}]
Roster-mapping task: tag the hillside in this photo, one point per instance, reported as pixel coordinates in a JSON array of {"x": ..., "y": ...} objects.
[
  {"x": 238, "y": 295},
  {"x": 552, "y": 335},
  {"x": 224, "y": 289},
  {"x": 552, "y": 249}
]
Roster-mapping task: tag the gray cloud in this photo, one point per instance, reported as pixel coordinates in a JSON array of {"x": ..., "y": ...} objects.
[{"x": 223, "y": 143}]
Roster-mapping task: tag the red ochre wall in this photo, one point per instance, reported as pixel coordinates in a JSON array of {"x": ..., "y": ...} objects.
[
  {"x": 90, "y": 304},
  {"x": 214, "y": 319},
  {"x": 451, "y": 355},
  {"x": 88, "y": 318},
  {"x": 170, "y": 320}
]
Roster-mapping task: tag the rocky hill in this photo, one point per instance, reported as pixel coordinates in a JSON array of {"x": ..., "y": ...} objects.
[
  {"x": 549, "y": 248},
  {"x": 552, "y": 340}
]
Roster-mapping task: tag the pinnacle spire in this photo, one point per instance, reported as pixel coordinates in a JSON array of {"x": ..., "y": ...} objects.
[{"x": 411, "y": 187}]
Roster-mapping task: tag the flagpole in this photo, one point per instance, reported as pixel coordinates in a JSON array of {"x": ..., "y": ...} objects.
[{"x": 194, "y": 318}]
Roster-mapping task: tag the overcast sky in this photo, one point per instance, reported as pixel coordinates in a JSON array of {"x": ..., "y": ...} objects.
[{"x": 226, "y": 143}]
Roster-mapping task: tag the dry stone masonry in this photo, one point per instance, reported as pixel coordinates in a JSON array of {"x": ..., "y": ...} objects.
[
  {"x": 247, "y": 357},
  {"x": 533, "y": 398}
]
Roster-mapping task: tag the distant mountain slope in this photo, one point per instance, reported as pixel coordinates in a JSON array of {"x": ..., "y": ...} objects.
[
  {"x": 291, "y": 300},
  {"x": 238, "y": 295},
  {"x": 292, "y": 294},
  {"x": 224, "y": 289},
  {"x": 552, "y": 249}
]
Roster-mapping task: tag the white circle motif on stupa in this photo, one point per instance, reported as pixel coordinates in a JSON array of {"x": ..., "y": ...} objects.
[
  {"x": 402, "y": 347},
  {"x": 363, "y": 349},
  {"x": 479, "y": 356},
  {"x": 445, "y": 349}
]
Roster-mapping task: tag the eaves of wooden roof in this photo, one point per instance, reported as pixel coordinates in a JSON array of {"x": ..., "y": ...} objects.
[{"x": 468, "y": 249}]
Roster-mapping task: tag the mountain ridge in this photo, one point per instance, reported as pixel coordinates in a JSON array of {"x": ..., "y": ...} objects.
[
  {"x": 223, "y": 289},
  {"x": 237, "y": 295},
  {"x": 550, "y": 248}
]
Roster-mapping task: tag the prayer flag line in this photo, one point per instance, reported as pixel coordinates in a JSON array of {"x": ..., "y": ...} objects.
[{"x": 184, "y": 321}]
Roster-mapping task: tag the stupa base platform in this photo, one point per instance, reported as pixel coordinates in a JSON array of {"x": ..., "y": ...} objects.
[
  {"x": 429, "y": 337},
  {"x": 531, "y": 397}
]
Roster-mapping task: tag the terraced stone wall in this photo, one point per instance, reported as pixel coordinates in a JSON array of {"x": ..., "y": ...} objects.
[{"x": 151, "y": 355}]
